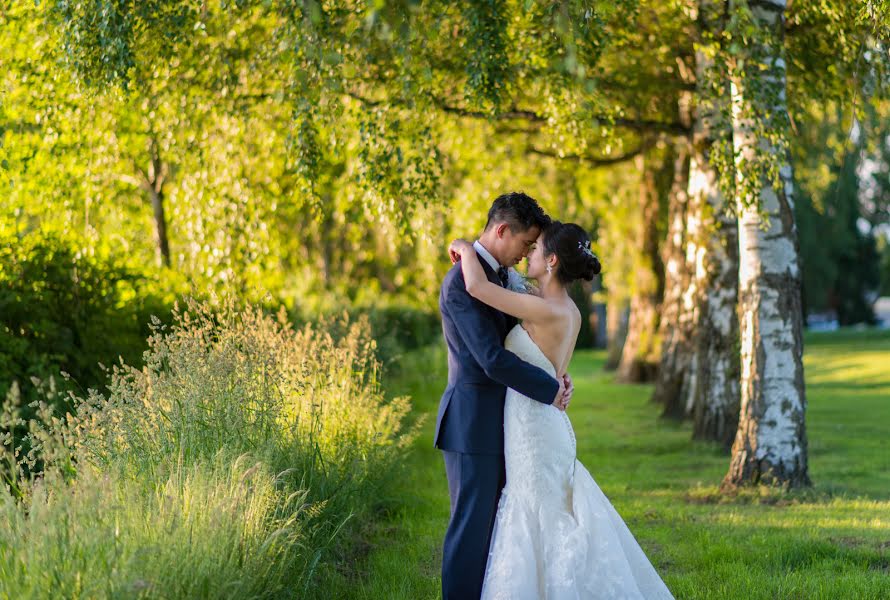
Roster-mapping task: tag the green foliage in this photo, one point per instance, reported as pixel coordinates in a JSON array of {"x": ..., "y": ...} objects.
[
  {"x": 838, "y": 209},
  {"x": 840, "y": 263},
  {"x": 876, "y": 13},
  {"x": 396, "y": 327},
  {"x": 102, "y": 37},
  {"x": 488, "y": 67},
  {"x": 334, "y": 148},
  {"x": 66, "y": 306},
  {"x": 239, "y": 461},
  {"x": 828, "y": 52}
]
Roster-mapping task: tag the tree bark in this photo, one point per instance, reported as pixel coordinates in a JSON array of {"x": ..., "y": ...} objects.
[
  {"x": 771, "y": 444},
  {"x": 639, "y": 358},
  {"x": 616, "y": 331},
  {"x": 155, "y": 178},
  {"x": 598, "y": 316},
  {"x": 715, "y": 396},
  {"x": 163, "y": 244},
  {"x": 674, "y": 324},
  {"x": 714, "y": 399}
]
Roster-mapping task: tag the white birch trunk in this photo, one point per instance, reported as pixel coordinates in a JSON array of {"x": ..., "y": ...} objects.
[
  {"x": 770, "y": 445},
  {"x": 714, "y": 397}
]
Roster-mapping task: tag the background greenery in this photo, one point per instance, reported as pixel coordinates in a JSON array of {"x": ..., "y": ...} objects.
[{"x": 299, "y": 168}]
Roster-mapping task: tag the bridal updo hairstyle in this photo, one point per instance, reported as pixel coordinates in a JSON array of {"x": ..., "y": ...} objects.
[{"x": 571, "y": 245}]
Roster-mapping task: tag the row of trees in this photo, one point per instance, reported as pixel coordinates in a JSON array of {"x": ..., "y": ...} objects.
[{"x": 315, "y": 146}]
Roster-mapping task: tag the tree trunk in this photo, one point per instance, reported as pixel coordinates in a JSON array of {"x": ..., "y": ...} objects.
[
  {"x": 155, "y": 179},
  {"x": 770, "y": 445},
  {"x": 715, "y": 396},
  {"x": 639, "y": 357},
  {"x": 616, "y": 331},
  {"x": 598, "y": 317},
  {"x": 581, "y": 292},
  {"x": 714, "y": 399},
  {"x": 674, "y": 325},
  {"x": 163, "y": 244}
]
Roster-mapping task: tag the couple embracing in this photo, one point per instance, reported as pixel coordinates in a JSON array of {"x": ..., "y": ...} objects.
[{"x": 527, "y": 519}]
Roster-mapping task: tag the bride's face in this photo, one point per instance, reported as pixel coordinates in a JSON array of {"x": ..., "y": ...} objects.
[{"x": 537, "y": 266}]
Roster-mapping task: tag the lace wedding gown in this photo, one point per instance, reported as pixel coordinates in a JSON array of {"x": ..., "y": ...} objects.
[{"x": 556, "y": 536}]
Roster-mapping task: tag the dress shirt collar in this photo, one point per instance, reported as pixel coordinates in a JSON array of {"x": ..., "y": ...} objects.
[{"x": 485, "y": 254}]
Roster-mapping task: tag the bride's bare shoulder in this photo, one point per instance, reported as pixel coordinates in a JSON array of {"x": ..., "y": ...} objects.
[{"x": 570, "y": 311}]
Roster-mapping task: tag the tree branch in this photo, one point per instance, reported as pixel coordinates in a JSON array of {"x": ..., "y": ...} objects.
[
  {"x": 145, "y": 178},
  {"x": 508, "y": 129},
  {"x": 514, "y": 113},
  {"x": 134, "y": 181},
  {"x": 651, "y": 126},
  {"x": 773, "y": 5},
  {"x": 592, "y": 161},
  {"x": 533, "y": 117}
]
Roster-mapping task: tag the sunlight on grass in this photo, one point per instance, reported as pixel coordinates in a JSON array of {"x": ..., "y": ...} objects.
[{"x": 828, "y": 542}]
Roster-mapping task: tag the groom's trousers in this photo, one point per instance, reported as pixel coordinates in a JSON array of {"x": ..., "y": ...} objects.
[{"x": 475, "y": 482}]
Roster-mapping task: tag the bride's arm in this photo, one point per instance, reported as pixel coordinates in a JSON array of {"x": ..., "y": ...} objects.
[{"x": 523, "y": 306}]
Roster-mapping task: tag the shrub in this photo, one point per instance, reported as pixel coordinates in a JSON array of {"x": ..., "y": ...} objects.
[
  {"x": 66, "y": 308},
  {"x": 396, "y": 326}
]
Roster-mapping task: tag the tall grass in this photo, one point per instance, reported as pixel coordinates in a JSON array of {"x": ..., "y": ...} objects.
[{"x": 236, "y": 463}]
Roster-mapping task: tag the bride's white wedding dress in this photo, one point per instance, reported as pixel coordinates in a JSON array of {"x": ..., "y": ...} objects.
[{"x": 556, "y": 536}]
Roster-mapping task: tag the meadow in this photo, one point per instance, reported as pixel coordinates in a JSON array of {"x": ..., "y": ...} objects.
[
  {"x": 829, "y": 541},
  {"x": 251, "y": 460}
]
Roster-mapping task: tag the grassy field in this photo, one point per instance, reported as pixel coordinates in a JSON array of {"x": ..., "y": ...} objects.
[{"x": 832, "y": 541}]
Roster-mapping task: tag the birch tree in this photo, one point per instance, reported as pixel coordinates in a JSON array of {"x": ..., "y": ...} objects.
[
  {"x": 771, "y": 443},
  {"x": 674, "y": 327},
  {"x": 698, "y": 371},
  {"x": 712, "y": 393}
]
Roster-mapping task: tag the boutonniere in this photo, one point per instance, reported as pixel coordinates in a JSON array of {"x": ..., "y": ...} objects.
[{"x": 517, "y": 282}]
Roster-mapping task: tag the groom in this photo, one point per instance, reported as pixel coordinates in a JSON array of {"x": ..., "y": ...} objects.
[{"x": 470, "y": 423}]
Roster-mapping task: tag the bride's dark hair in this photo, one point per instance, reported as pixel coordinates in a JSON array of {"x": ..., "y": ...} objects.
[{"x": 571, "y": 245}]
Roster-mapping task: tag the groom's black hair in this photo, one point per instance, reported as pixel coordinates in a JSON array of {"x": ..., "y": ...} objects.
[{"x": 518, "y": 210}]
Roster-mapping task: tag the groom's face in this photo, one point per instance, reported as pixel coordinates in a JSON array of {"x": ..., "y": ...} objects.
[{"x": 516, "y": 246}]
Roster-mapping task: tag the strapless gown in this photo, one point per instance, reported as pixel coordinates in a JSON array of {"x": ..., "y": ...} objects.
[{"x": 556, "y": 536}]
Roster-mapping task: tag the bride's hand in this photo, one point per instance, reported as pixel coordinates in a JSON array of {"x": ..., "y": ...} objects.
[
  {"x": 560, "y": 402},
  {"x": 457, "y": 249},
  {"x": 570, "y": 388}
]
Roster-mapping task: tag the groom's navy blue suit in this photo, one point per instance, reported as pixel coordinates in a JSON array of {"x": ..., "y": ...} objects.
[{"x": 470, "y": 425}]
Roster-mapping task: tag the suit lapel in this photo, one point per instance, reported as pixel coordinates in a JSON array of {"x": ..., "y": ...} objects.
[{"x": 490, "y": 273}]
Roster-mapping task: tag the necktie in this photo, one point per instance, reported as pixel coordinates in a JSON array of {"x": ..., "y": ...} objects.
[{"x": 504, "y": 277}]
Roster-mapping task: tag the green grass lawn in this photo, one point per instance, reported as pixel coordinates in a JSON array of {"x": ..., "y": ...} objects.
[{"x": 832, "y": 541}]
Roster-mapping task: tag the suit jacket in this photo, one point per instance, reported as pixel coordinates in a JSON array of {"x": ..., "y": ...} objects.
[{"x": 471, "y": 411}]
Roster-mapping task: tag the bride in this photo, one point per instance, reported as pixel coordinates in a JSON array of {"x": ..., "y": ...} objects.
[{"x": 556, "y": 536}]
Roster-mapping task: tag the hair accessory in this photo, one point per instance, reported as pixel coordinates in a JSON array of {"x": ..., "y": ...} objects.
[{"x": 585, "y": 248}]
